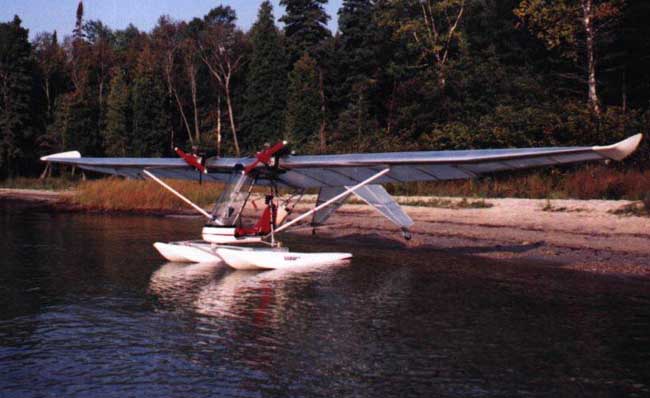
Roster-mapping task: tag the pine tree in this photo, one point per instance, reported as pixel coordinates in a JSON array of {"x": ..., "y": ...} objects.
[
  {"x": 77, "y": 32},
  {"x": 357, "y": 41},
  {"x": 150, "y": 121},
  {"x": 78, "y": 50},
  {"x": 305, "y": 26},
  {"x": 265, "y": 96},
  {"x": 357, "y": 66},
  {"x": 117, "y": 132},
  {"x": 303, "y": 105},
  {"x": 16, "y": 66},
  {"x": 77, "y": 115}
]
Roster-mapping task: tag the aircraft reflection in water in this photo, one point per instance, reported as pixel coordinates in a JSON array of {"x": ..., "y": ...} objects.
[
  {"x": 215, "y": 290},
  {"x": 177, "y": 283}
]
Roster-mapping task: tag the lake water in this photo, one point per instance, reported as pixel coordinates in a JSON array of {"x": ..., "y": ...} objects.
[{"x": 89, "y": 309}]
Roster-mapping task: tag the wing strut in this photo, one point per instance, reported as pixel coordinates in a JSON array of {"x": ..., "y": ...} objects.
[
  {"x": 377, "y": 197},
  {"x": 334, "y": 199},
  {"x": 178, "y": 194}
]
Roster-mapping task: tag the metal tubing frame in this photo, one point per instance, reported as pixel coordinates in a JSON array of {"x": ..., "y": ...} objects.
[{"x": 332, "y": 200}]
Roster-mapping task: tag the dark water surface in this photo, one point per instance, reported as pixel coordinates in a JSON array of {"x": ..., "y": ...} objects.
[{"x": 88, "y": 309}]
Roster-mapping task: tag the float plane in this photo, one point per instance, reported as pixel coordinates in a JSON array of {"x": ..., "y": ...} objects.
[{"x": 336, "y": 177}]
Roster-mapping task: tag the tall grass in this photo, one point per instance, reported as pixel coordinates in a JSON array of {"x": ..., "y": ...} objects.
[
  {"x": 119, "y": 194},
  {"x": 50, "y": 184},
  {"x": 592, "y": 182}
]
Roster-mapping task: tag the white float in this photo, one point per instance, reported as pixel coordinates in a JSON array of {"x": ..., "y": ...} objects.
[{"x": 244, "y": 258}]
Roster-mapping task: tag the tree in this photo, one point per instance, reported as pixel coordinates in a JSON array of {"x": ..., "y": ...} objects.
[
  {"x": 304, "y": 104},
  {"x": 357, "y": 42},
  {"x": 77, "y": 48},
  {"x": 574, "y": 27},
  {"x": 50, "y": 58},
  {"x": 357, "y": 64},
  {"x": 127, "y": 46},
  {"x": 432, "y": 30},
  {"x": 265, "y": 97},
  {"x": 633, "y": 62},
  {"x": 77, "y": 116},
  {"x": 222, "y": 51},
  {"x": 166, "y": 41},
  {"x": 100, "y": 55},
  {"x": 150, "y": 117},
  {"x": 117, "y": 133},
  {"x": 306, "y": 32},
  {"x": 78, "y": 113},
  {"x": 305, "y": 26},
  {"x": 16, "y": 66},
  {"x": 189, "y": 47}
]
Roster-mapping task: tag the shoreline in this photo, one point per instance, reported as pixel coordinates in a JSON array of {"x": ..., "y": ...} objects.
[{"x": 574, "y": 234}]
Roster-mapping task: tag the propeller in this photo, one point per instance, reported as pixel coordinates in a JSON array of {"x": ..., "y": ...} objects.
[
  {"x": 266, "y": 155},
  {"x": 194, "y": 160}
]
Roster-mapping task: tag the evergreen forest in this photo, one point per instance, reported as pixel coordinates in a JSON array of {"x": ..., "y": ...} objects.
[{"x": 396, "y": 75}]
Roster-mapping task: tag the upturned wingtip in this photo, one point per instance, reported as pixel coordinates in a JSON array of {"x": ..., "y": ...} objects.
[
  {"x": 61, "y": 155},
  {"x": 622, "y": 149}
]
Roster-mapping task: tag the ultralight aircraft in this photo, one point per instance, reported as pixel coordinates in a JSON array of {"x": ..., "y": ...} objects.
[{"x": 336, "y": 177}]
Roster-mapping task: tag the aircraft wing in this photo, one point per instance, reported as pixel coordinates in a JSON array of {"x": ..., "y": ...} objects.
[
  {"x": 346, "y": 170},
  {"x": 315, "y": 171},
  {"x": 175, "y": 168}
]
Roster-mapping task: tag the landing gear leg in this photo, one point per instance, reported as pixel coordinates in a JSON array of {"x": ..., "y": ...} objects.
[{"x": 406, "y": 234}]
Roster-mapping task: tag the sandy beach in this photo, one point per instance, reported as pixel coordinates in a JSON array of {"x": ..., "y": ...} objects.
[
  {"x": 576, "y": 234},
  {"x": 580, "y": 235}
]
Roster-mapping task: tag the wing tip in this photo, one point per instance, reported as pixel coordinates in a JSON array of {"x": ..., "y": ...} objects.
[
  {"x": 622, "y": 149},
  {"x": 61, "y": 155}
]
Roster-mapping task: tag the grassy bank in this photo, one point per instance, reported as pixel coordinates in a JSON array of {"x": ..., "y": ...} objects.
[
  {"x": 50, "y": 184},
  {"x": 113, "y": 194},
  {"x": 592, "y": 182}
]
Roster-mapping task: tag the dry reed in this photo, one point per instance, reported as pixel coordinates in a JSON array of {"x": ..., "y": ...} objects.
[{"x": 119, "y": 194}]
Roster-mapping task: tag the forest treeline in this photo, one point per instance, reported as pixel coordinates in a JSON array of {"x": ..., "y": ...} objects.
[{"x": 397, "y": 75}]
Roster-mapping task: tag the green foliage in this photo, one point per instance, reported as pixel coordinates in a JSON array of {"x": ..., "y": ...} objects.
[
  {"x": 303, "y": 106},
  {"x": 357, "y": 45},
  {"x": 77, "y": 116},
  {"x": 562, "y": 123},
  {"x": 16, "y": 65},
  {"x": 556, "y": 23},
  {"x": 490, "y": 73},
  {"x": 266, "y": 91},
  {"x": 50, "y": 58},
  {"x": 357, "y": 69},
  {"x": 150, "y": 120},
  {"x": 305, "y": 26},
  {"x": 118, "y": 117}
]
